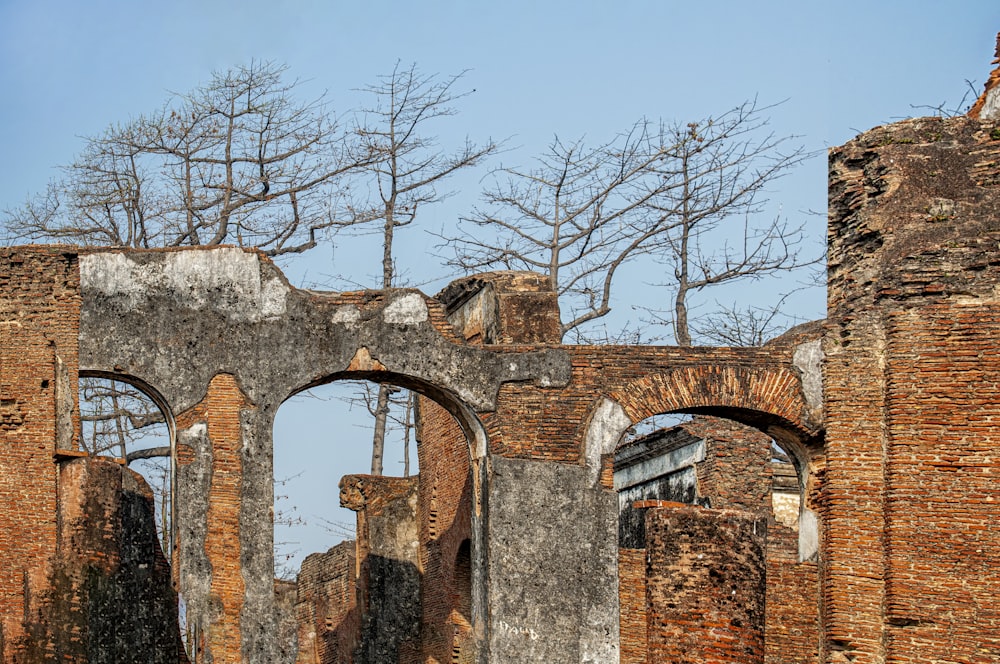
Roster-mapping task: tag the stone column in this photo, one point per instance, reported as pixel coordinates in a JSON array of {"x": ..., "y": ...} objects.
[{"x": 224, "y": 500}]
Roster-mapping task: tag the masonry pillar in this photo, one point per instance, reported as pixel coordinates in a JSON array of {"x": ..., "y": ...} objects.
[
  {"x": 705, "y": 585},
  {"x": 39, "y": 325},
  {"x": 225, "y": 528}
]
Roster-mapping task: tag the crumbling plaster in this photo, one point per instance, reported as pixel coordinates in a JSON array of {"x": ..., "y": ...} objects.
[
  {"x": 219, "y": 339},
  {"x": 176, "y": 319}
]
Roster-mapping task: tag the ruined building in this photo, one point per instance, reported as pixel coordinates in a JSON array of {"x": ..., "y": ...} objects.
[{"x": 507, "y": 547}]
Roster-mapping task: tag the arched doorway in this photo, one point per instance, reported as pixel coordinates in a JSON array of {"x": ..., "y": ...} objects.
[
  {"x": 404, "y": 584},
  {"x": 743, "y": 436},
  {"x": 124, "y": 418}
]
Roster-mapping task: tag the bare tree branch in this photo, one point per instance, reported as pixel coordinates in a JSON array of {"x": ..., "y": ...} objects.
[
  {"x": 687, "y": 194},
  {"x": 577, "y": 216},
  {"x": 723, "y": 167},
  {"x": 404, "y": 169},
  {"x": 236, "y": 161}
]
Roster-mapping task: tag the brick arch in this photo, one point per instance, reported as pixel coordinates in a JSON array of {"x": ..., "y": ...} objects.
[
  {"x": 769, "y": 398},
  {"x": 761, "y": 397}
]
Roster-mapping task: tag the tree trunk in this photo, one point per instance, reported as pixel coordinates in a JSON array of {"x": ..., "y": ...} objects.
[{"x": 378, "y": 440}]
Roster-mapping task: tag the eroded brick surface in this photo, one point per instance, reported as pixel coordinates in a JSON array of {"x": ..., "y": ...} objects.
[
  {"x": 889, "y": 407},
  {"x": 706, "y": 583}
]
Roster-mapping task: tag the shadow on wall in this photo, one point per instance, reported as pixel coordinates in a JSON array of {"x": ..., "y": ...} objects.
[
  {"x": 111, "y": 599},
  {"x": 393, "y": 616},
  {"x": 385, "y": 609}
]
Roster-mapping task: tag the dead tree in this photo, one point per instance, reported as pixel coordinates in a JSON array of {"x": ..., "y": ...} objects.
[
  {"x": 238, "y": 160},
  {"x": 577, "y": 216},
  {"x": 711, "y": 225},
  {"x": 405, "y": 170},
  {"x": 654, "y": 193}
]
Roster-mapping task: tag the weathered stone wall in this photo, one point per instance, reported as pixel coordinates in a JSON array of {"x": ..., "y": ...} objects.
[
  {"x": 550, "y": 529},
  {"x": 222, "y": 339},
  {"x": 200, "y": 330},
  {"x": 488, "y": 309}
]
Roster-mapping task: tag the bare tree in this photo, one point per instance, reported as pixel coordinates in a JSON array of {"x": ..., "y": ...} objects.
[
  {"x": 577, "y": 216},
  {"x": 582, "y": 213},
  {"x": 405, "y": 170},
  {"x": 236, "y": 161},
  {"x": 710, "y": 229}
]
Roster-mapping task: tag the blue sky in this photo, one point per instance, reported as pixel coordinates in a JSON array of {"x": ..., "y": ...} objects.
[{"x": 69, "y": 68}]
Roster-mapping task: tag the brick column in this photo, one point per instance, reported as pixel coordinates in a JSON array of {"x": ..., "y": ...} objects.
[
  {"x": 705, "y": 591},
  {"x": 217, "y": 616}
]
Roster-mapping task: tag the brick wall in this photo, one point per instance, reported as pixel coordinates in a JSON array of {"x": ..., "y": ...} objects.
[
  {"x": 109, "y": 596},
  {"x": 39, "y": 322},
  {"x": 632, "y": 600},
  {"x": 792, "y": 630},
  {"x": 220, "y": 413},
  {"x": 943, "y": 571},
  {"x": 705, "y": 587},
  {"x": 445, "y": 509},
  {"x": 910, "y": 558},
  {"x": 326, "y": 606},
  {"x": 736, "y": 472}
]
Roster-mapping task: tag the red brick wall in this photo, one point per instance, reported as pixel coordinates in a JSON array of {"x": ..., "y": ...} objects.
[
  {"x": 444, "y": 514},
  {"x": 632, "y": 599},
  {"x": 39, "y": 322},
  {"x": 736, "y": 472},
  {"x": 943, "y": 511},
  {"x": 326, "y": 606},
  {"x": 705, "y": 586},
  {"x": 792, "y": 630},
  {"x": 752, "y": 385},
  {"x": 909, "y": 557}
]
